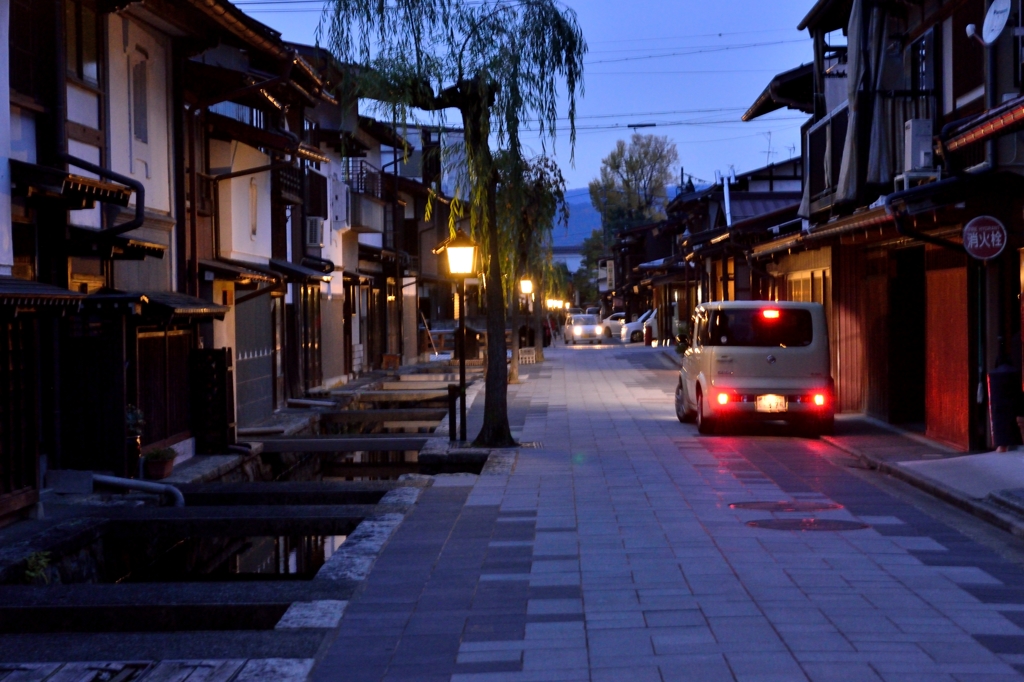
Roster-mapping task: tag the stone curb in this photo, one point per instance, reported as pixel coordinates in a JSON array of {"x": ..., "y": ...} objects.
[{"x": 990, "y": 513}]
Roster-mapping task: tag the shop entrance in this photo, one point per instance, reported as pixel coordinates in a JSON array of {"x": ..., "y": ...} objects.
[{"x": 907, "y": 326}]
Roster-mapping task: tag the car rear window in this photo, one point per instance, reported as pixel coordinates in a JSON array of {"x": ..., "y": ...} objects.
[
  {"x": 584, "y": 319},
  {"x": 750, "y": 327}
]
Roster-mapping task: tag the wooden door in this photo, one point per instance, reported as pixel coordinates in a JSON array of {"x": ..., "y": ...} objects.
[
  {"x": 19, "y": 446},
  {"x": 947, "y": 359}
]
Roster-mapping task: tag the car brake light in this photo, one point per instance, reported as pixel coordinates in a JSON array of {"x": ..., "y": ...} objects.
[
  {"x": 819, "y": 399},
  {"x": 723, "y": 398},
  {"x": 770, "y": 314}
]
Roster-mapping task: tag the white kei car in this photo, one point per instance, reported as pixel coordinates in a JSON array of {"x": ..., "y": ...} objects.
[
  {"x": 757, "y": 361},
  {"x": 634, "y": 331},
  {"x": 580, "y": 328},
  {"x": 613, "y": 325}
]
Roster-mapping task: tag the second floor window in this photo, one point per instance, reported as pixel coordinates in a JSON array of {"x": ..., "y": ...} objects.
[
  {"x": 922, "y": 63},
  {"x": 81, "y": 31}
]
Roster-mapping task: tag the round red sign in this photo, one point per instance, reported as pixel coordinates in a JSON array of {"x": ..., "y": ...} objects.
[{"x": 984, "y": 237}]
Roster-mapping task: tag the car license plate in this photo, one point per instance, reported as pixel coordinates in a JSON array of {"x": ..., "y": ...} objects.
[{"x": 771, "y": 403}]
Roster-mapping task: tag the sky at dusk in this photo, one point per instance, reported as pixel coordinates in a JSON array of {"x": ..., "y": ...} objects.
[{"x": 691, "y": 67}]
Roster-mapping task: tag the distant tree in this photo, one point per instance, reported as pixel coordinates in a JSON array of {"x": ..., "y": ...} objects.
[
  {"x": 497, "y": 63},
  {"x": 593, "y": 250},
  {"x": 584, "y": 280},
  {"x": 632, "y": 188}
]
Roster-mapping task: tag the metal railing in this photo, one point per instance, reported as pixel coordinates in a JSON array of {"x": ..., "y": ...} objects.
[{"x": 362, "y": 177}]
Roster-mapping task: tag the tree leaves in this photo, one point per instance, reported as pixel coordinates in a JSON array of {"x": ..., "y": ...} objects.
[{"x": 632, "y": 188}]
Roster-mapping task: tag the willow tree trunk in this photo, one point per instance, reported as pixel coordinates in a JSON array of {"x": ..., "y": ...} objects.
[{"x": 495, "y": 432}]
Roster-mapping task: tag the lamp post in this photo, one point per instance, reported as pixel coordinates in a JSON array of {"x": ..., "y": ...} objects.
[{"x": 461, "y": 250}]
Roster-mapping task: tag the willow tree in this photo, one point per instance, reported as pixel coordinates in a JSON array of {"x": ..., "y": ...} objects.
[
  {"x": 502, "y": 66},
  {"x": 531, "y": 201}
]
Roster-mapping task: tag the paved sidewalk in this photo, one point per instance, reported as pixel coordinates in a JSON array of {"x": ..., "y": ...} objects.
[{"x": 612, "y": 552}]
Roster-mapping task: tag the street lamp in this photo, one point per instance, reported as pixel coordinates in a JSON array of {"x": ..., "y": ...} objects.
[
  {"x": 526, "y": 286},
  {"x": 461, "y": 250}
]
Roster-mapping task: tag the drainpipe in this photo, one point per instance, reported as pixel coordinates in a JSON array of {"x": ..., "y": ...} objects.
[{"x": 144, "y": 486}]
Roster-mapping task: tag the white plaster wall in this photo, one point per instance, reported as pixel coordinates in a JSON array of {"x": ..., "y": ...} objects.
[
  {"x": 236, "y": 240},
  {"x": 89, "y": 217},
  {"x": 130, "y": 43},
  {"x": 21, "y": 131},
  {"x": 350, "y": 249},
  {"x": 374, "y": 239}
]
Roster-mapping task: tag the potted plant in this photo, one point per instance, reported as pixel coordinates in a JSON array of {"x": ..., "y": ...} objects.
[{"x": 159, "y": 463}]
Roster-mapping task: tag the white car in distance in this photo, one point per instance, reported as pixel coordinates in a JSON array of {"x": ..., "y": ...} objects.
[
  {"x": 634, "y": 331},
  {"x": 580, "y": 328},
  {"x": 613, "y": 325}
]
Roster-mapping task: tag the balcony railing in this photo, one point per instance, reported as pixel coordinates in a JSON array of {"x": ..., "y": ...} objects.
[
  {"x": 362, "y": 177},
  {"x": 825, "y": 142}
]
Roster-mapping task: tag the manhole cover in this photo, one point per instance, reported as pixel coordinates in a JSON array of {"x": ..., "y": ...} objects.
[
  {"x": 806, "y": 524},
  {"x": 790, "y": 506},
  {"x": 532, "y": 445}
]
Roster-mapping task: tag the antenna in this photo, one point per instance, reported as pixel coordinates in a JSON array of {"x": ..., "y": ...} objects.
[{"x": 768, "y": 154}]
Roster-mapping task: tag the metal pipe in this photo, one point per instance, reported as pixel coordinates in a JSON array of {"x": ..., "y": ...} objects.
[
  {"x": 906, "y": 231},
  {"x": 144, "y": 486},
  {"x": 140, "y": 192},
  {"x": 462, "y": 360}
]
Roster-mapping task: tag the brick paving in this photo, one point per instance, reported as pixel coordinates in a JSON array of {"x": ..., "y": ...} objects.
[{"x": 611, "y": 552}]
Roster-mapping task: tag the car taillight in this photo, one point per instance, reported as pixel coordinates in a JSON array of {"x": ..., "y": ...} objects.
[
  {"x": 723, "y": 398},
  {"x": 770, "y": 314},
  {"x": 820, "y": 399}
]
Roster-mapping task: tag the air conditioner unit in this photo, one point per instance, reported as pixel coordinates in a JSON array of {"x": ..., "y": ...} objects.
[
  {"x": 315, "y": 232},
  {"x": 917, "y": 145},
  {"x": 340, "y": 201}
]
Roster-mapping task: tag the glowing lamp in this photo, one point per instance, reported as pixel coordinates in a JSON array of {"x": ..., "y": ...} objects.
[
  {"x": 526, "y": 286},
  {"x": 770, "y": 314},
  {"x": 461, "y": 252}
]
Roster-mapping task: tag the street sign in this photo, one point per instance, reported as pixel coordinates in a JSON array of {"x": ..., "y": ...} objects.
[{"x": 984, "y": 237}]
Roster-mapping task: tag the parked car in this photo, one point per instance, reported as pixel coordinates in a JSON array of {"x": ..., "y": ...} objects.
[
  {"x": 755, "y": 360},
  {"x": 580, "y": 328},
  {"x": 613, "y": 325},
  {"x": 652, "y": 324},
  {"x": 634, "y": 331},
  {"x": 575, "y": 311},
  {"x": 593, "y": 311}
]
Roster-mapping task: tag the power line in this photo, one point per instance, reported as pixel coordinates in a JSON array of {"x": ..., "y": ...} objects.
[
  {"x": 691, "y": 35},
  {"x": 722, "y": 48}
]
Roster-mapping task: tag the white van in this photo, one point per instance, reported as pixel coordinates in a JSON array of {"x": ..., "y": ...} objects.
[{"x": 757, "y": 360}]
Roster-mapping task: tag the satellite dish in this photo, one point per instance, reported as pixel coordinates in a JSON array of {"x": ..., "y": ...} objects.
[{"x": 995, "y": 20}]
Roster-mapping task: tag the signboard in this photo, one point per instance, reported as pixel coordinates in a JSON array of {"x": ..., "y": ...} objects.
[{"x": 984, "y": 237}]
